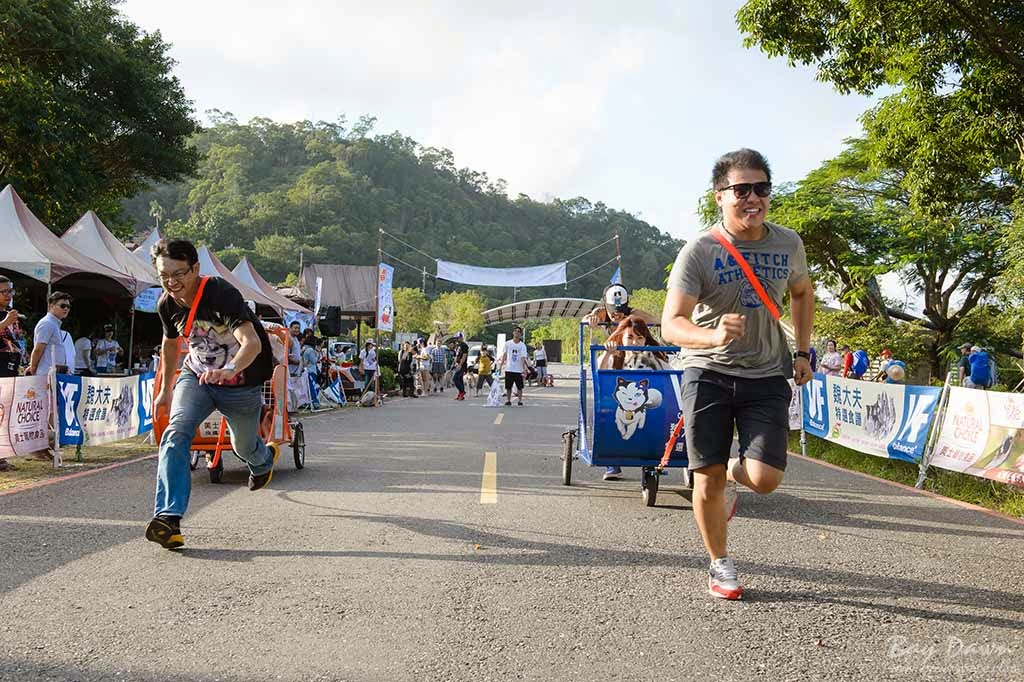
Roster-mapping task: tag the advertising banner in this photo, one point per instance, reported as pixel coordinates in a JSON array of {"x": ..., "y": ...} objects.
[
  {"x": 98, "y": 410},
  {"x": 982, "y": 434},
  {"x": 385, "y": 306},
  {"x": 885, "y": 420},
  {"x": 24, "y": 415},
  {"x": 146, "y": 301},
  {"x": 538, "y": 276}
]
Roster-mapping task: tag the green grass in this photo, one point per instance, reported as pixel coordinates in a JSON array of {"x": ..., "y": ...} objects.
[{"x": 982, "y": 492}]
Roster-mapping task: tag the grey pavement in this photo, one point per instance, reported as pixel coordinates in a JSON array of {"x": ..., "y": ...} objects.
[{"x": 379, "y": 562}]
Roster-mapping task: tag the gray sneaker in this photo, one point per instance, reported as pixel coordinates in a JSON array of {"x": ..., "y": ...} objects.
[
  {"x": 732, "y": 499},
  {"x": 722, "y": 580}
]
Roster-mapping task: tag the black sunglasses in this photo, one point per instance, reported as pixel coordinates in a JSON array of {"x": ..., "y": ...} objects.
[
  {"x": 742, "y": 189},
  {"x": 64, "y": 306}
]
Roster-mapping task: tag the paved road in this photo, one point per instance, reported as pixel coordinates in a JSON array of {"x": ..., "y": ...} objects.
[{"x": 379, "y": 562}]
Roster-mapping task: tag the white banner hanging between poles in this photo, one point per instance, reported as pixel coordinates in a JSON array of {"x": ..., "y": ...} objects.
[{"x": 538, "y": 276}]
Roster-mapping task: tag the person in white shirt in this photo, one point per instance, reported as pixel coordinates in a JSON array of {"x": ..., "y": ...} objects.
[
  {"x": 540, "y": 361},
  {"x": 47, "y": 346},
  {"x": 106, "y": 351},
  {"x": 368, "y": 365},
  {"x": 514, "y": 359},
  {"x": 83, "y": 356}
]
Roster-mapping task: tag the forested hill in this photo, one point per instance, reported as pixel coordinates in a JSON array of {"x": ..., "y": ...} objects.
[{"x": 265, "y": 189}]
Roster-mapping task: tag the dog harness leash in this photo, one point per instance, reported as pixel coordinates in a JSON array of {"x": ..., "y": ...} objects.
[
  {"x": 195, "y": 306},
  {"x": 748, "y": 271}
]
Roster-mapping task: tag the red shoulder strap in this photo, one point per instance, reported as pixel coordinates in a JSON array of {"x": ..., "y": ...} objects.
[
  {"x": 748, "y": 271},
  {"x": 195, "y": 306}
]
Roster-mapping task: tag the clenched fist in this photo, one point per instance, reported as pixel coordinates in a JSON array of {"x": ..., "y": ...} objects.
[{"x": 730, "y": 326}]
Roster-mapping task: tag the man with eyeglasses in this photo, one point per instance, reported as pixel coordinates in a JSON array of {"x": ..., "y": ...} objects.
[
  {"x": 229, "y": 357},
  {"x": 734, "y": 351},
  {"x": 10, "y": 342},
  {"x": 48, "y": 348}
]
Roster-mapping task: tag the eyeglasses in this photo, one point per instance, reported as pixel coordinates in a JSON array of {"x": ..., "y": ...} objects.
[
  {"x": 173, "y": 276},
  {"x": 64, "y": 306},
  {"x": 741, "y": 190},
  {"x": 6, "y": 292}
]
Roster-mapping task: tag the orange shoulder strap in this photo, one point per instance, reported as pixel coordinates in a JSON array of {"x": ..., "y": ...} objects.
[
  {"x": 748, "y": 271},
  {"x": 195, "y": 306}
]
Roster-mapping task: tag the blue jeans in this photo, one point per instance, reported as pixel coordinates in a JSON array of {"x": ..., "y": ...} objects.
[{"x": 194, "y": 402}]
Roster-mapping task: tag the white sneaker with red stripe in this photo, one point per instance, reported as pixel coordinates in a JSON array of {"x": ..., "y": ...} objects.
[{"x": 722, "y": 580}]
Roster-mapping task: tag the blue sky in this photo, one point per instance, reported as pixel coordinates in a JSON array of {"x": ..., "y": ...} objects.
[{"x": 625, "y": 103}]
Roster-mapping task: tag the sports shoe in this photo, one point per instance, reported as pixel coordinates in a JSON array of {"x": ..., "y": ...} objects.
[
  {"x": 732, "y": 499},
  {"x": 520, "y": 403},
  {"x": 166, "y": 532},
  {"x": 261, "y": 481},
  {"x": 508, "y": 402},
  {"x": 722, "y": 580},
  {"x": 612, "y": 473}
]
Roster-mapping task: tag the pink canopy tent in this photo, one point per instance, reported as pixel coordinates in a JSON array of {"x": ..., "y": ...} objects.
[
  {"x": 210, "y": 266},
  {"x": 247, "y": 273},
  {"x": 142, "y": 251},
  {"x": 31, "y": 249},
  {"x": 90, "y": 236}
]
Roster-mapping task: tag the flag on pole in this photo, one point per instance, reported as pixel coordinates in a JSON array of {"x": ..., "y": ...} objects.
[{"x": 617, "y": 277}]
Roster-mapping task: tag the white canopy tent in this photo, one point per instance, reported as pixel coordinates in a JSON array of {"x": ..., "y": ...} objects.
[
  {"x": 248, "y": 275},
  {"x": 90, "y": 236},
  {"x": 143, "y": 249},
  {"x": 210, "y": 266},
  {"x": 31, "y": 249}
]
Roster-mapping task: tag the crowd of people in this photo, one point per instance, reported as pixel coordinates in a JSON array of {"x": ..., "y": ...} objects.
[{"x": 841, "y": 361}]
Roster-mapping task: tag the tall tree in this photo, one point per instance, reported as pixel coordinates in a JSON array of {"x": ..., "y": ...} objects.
[{"x": 91, "y": 112}]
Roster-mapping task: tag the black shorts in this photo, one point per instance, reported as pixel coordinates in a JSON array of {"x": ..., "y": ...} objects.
[
  {"x": 715, "y": 403},
  {"x": 513, "y": 379}
]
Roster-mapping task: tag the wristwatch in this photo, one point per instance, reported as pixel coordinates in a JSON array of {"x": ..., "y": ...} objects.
[
  {"x": 229, "y": 366},
  {"x": 802, "y": 354}
]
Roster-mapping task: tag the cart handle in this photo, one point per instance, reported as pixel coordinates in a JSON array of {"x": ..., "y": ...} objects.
[{"x": 663, "y": 349}]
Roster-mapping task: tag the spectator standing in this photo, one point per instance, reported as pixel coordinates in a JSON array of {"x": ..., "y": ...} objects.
[
  {"x": 484, "y": 370},
  {"x": 847, "y": 362},
  {"x": 10, "y": 331},
  {"x": 514, "y": 360},
  {"x": 10, "y": 342},
  {"x": 310, "y": 357},
  {"x": 964, "y": 365},
  {"x": 83, "y": 356},
  {"x": 106, "y": 351},
  {"x": 406, "y": 367},
  {"x": 47, "y": 345},
  {"x": 886, "y": 358},
  {"x": 437, "y": 365},
  {"x": 980, "y": 375},
  {"x": 459, "y": 366},
  {"x": 423, "y": 364},
  {"x": 540, "y": 361},
  {"x": 295, "y": 349},
  {"x": 368, "y": 365},
  {"x": 831, "y": 363},
  {"x": 449, "y": 362}
]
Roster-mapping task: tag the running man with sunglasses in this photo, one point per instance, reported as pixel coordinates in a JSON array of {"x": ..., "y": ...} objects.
[
  {"x": 735, "y": 354},
  {"x": 228, "y": 359}
]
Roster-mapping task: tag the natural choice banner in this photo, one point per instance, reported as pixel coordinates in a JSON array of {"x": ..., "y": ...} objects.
[
  {"x": 385, "y": 306},
  {"x": 983, "y": 434},
  {"x": 24, "y": 415},
  {"x": 539, "y": 276},
  {"x": 95, "y": 410},
  {"x": 885, "y": 420}
]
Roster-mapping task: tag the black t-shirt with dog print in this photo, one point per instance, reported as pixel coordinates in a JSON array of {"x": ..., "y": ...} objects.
[{"x": 212, "y": 343}]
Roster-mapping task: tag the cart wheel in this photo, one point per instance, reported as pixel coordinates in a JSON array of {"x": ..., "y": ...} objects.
[
  {"x": 567, "y": 448},
  {"x": 217, "y": 472},
  {"x": 649, "y": 486},
  {"x": 193, "y": 460},
  {"x": 299, "y": 445}
]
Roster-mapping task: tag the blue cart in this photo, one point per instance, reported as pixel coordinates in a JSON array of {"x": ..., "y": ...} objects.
[{"x": 633, "y": 417}]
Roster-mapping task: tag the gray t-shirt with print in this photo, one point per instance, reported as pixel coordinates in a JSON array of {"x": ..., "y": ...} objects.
[{"x": 706, "y": 271}]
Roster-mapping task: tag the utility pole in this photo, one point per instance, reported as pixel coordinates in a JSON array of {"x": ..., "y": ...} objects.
[{"x": 618, "y": 255}]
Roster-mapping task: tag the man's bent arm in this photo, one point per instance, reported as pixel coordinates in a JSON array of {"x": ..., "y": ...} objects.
[
  {"x": 168, "y": 361},
  {"x": 802, "y": 307},
  {"x": 250, "y": 344},
  {"x": 678, "y": 328}
]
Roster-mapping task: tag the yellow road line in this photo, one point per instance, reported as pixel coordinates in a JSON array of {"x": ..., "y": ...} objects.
[
  {"x": 489, "y": 484},
  {"x": 497, "y": 420}
]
